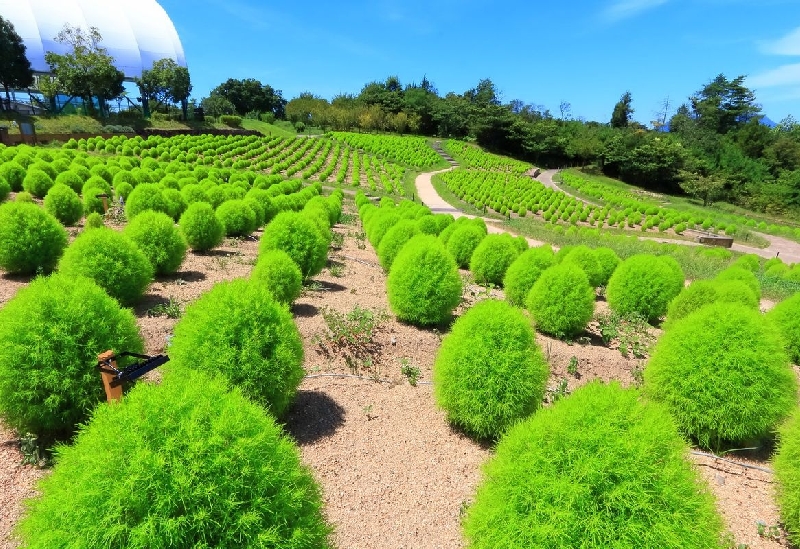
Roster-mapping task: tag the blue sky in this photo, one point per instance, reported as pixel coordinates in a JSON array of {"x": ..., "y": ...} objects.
[{"x": 586, "y": 52}]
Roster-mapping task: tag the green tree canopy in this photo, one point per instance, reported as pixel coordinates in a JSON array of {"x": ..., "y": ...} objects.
[
  {"x": 166, "y": 83},
  {"x": 622, "y": 111},
  {"x": 250, "y": 95},
  {"x": 15, "y": 69}
]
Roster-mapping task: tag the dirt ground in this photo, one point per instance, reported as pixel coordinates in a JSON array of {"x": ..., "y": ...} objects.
[{"x": 394, "y": 474}]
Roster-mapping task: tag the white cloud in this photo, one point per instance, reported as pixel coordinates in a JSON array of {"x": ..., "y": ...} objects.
[
  {"x": 787, "y": 45},
  {"x": 785, "y": 75},
  {"x": 624, "y": 9}
]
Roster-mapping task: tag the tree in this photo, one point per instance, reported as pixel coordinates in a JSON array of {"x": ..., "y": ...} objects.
[
  {"x": 707, "y": 188},
  {"x": 88, "y": 71},
  {"x": 165, "y": 83},
  {"x": 216, "y": 105},
  {"x": 723, "y": 105},
  {"x": 15, "y": 69},
  {"x": 250, "y": 95},
  {"x": 622, "y": 111}
]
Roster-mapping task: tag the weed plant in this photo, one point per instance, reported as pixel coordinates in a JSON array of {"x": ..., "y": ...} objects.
[
  {"x": 239, "y": 330},
  {"x": 31, "y": 240},
  {"x": 724, "y": 375},
  {"x": 276, "y": 271},
  {"x": 156, "y": 235},
  {"x": 561, "y": 301},
  {"x": 489, "y": 372},
  {"x": 644, "y": 284},
  {"x": 523, "y": 273},
  {"x": 492, "y": 258},
  {"x": 786, "y": 316},
  {"x": 200, "y": 226},
  {"x": 50, "y": 335},
  {"x": 600, "y": 468},
  {"x": 301, "y": 238}
]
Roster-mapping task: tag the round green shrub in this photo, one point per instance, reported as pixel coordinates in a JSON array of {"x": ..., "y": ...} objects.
[
  {"x": 380, "y": 224},
  {"x": 561, "y": 301},
  {"x": 146, "y": 196},
  {"x": 64, "y": 204},
  {"x": 599, "y": 469},
  {"x": 489, "y": 373},
  {"x": 786, "y": 464},
  {"x": 736, "y": 273},
  {"x": 297, "y": 235},
  {"x": 112, "y": 260},
  {"x": 31, "y": 240},
  {"x": 786, "y": 316},
  {"x": 723, "y": 373},
  {"x": 37, "y": 182},
  {"x": 492, "y": 258},
  {"x": 424, "y": 285},
  {"x": 427, "y": 225},
  {"x": 523, "y": 273},
  {"x": 463, "y": 242},
  {"x": 194, "y": 465},
  {"x": 14, "y": 173},
  {"x": 237, "y": 218},
  {"x": 644, "y": 284},
  {"x": 50, "y": 335},
  {"x": 394, "y": 240},
  {"x": 750, "y": 262},
  {"x": 176, "y": 205},
  {"x": 585, "y": 258},
  {"x": 609, "y": 261},
  {"x": 736, "y": 291},
  {"x": 5, "y": 189},
  {"x": 70, "y": 179},
  {"x": 200, "y": 226},
  {"x": 276, "y": 271},
  {"x": 777, "y": 271},
  {"x": 123, "y": 190},
  {"x": 239, "y": 330},
  {"x": 96, "y": 185},
  {"x": 93, "y": 221},
  {"x": 156, "y": 234}
]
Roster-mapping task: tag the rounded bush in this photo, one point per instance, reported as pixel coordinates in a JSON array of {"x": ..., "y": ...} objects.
[
  {"x": 5, "y": 189},
  {"x": 155, "y": 234},
  {"x": 786, "y": 316},
  {"x": 644, "y": 284},
  {"x": 37, "y": 182},
  {"x": 239, "y": 330},
  {"x": 585, "y": 258},
  {"x": 237, "y": 218},
  {"x": 424, "y": 285},
  {"x": 64, "y": 204},
  {"x": 463, "y": 242},
  {"x": 599, "y": 469},
  {"x": 489, "y": 373},
  {"x": 50, "y": 335},
  {"x": 380, "y": 224},
  {"x": 31, "y": 240},
  {"x": 297, "y": 235},
  {"x": 200, "y": 226},
  {"x": 196, "y": 465},
  {"x": 705, "y": 292},
  {"x": 750, "y": 262},
  {"x": 14, "y": 173},
  {"x": 93, "y": 221},
  {"x": 561, "y": 301},
  {"x": 70, "y": 179},
  {"x": 112, "y": 260},
  {"x": 146, "y": 196},
  {"x": 723, "y": 373},
  {"x": 786, "y": 464},
  {"x": 492, "y": 258},
  {"x": 394, "y": 240},
  {"x": 609, "y": 261},
  {"x": 737, "y": 273},
  {"x": 176, "y": 205},
  {"x": 276, "y": 271},
  {"x": 524, "y": 272}
]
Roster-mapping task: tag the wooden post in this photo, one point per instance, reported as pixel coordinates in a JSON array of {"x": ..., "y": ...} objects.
[
  {"x": 112, "y": 393},
  {"x": 104, "y": 198}
]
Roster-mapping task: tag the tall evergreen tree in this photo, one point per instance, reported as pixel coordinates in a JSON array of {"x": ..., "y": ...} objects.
[{"x": 622, "y": 111}]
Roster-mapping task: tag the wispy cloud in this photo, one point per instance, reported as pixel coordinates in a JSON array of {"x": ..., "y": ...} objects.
[
  {"x": 625, "y": 9},
  {"x": 785, "y": 75},
  {"x": 786, "y": 45}
]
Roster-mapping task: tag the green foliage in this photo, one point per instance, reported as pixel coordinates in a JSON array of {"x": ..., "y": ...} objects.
[
  {"x": 524, "y": 272},
  {"x": 751, "y": 262},
  {"x": 786, "y": 464},
  {"x": 786, "y": 316},
  {"x": 586, "y": 258},
  {"x": 601, "y": 469},
  {"x": 424, "y": 285},
  {"x": 12, "y": 172},
  {"x": 561, "y": 301},
  {"x": 112, "y": 260},
  {"x": 64, "y": 204},
  {"x": 644, "y": 284},
  {"x": 394, "y": 240},
  {"x": 195, "y": 466},
  {"x": 724, "y": 374},
  {"x": 37, "y": 182},
  {"x": 379, "y": 224},
  {"x": 237, "y": 218},
  {"x": 489, "y": 373},
  {"x": 5, "y": 189},
  {"x": 146, "y": 196},
  {"x": 31, "y": 240},
  {"x": 462, "y": 243},
  {"x": 744, "y": 275},
  {"x": 239, "y": 330},
  {"x": 200, "y": 226},
  {"x": 276, "y": 271},
  {"x": 301, "y": 238},
  {"x": 609, "y": 261},
  {"x": 492, "y": 258},
  {"x": 155, "y": 234},
  {"x": 50, "y": 335},
  {"x": 705, "y": 292},
  {"x": 93, "y": 221}
]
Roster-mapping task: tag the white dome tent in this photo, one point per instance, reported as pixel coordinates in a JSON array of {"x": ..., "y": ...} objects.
[{"x": 135, "y": 33}]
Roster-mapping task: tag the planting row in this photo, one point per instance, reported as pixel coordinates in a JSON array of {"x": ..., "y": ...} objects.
[
  {"x": 471, "y": 156},
  {"x": 410, "y": 151}
]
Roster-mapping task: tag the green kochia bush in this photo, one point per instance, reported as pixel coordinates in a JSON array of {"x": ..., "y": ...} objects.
[
  {"x": 37, "y": 182},
  {"x": 787, "y": 473},
  {"x": 598, "y": 469},
  {"x": 586, "y": 258},
  {"x": 561, "y": 301},
  {"x": 492, "y": 258},
  {"x": 239, "y": 330},
  {"x": 112, "y": 260},
  {"x": 276, "y": 271},
  {"x": 31, "y": 239},
  {"x": 394, "y": 240},
  {"x": 742, "y": 274},
  {"x": 723, "y": 373},
  {"x": 147, "y": 196},
  {"x": 463, "y": 242},
  {"x": 14, "y": 173},
  {"x": 200, "y": 226},
  {"x": 237, "y": 217},
  {"x": 194, "y": 465},
  {"x": 705, "y": 292},
  {"x": 786, "y": 316},
  {"x": 489, "y": 372},
  {"x": 644, "y": 284},
  {"x": 155, "y": 234},
  {"x": 424, "y": 285},
  {"x": 50, "y": 335},
  {"x": 524, "y": 272},
  {"x": 301, "y": 238},
  {"x": 64, "y": 204}
]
